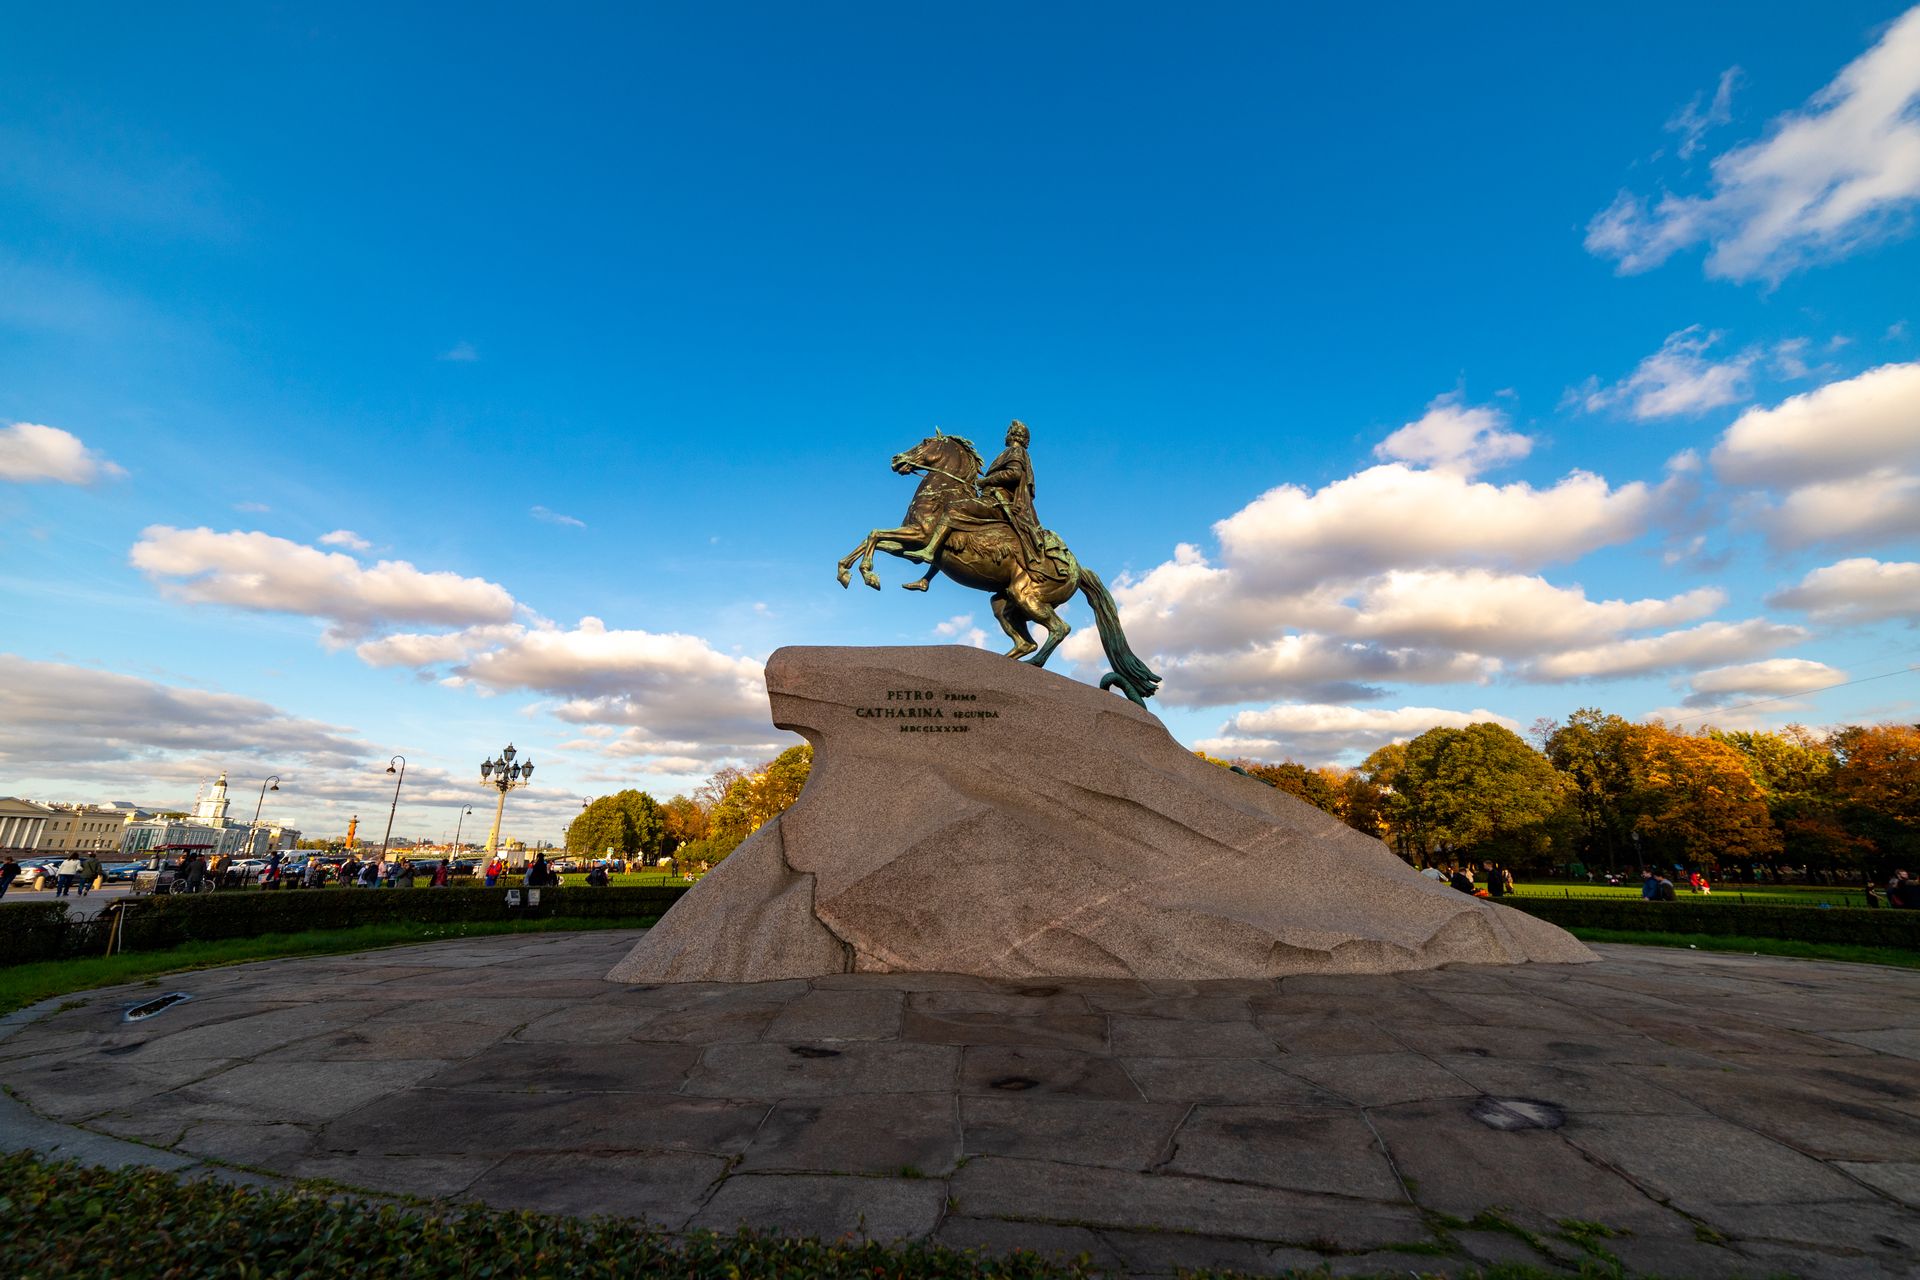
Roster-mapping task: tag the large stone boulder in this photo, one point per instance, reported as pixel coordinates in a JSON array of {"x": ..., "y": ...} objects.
[{"x": 968, "y": 814}]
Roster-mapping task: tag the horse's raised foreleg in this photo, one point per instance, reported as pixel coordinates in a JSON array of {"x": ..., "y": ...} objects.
[
  {"x": 892, "y": 540},
  {"x": 843, "y": 576},
  {"x": 1014, "y": 623}
]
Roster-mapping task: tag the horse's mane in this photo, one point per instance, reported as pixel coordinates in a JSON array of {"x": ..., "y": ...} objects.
[{"x": 972, "y": 464}]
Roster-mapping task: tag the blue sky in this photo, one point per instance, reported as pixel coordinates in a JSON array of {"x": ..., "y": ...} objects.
[{"x": 1397, "y": 367}]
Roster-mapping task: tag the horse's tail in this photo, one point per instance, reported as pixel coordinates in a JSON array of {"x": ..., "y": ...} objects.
[{"x": 1134, "y": 677}]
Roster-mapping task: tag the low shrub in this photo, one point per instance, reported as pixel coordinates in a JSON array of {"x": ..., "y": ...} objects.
[
  {"x": 31, "y": 930},
  {"x": 1859, "y": 926},
  {"x": 41, "y": 932},
  {"x": 68, "y": 1220}
]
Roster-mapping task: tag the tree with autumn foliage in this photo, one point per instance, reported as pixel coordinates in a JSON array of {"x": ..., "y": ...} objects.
[
  {"x": 1694, "y": 802},
  {"x": 1876, "y": 787}
]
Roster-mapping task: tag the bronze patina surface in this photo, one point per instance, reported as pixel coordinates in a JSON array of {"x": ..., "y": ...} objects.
[{"x": 981, "y": 531}]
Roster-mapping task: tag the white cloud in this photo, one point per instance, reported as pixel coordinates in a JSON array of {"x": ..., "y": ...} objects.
[
  {"x": 257, "y": 571},
  {"x": 1311, "y": 666},
  {"x": 1845, "y": 458},
  {"x": 1773, "y": 677},
  {"x": 1506, "y": 614},
  {"x": 1677, "y": 379},
  {"x": 1856, "y": 591},
  {"x": 554, "y": 517},
  {"x": 1395, "y": 516},
  {"x": 1700, "y": 646},
  {"x": 1454, "y": 437},
  {"x": 460, "y": 353},
  {"x": 1883, "y": 503},
  {"x": 1318, "y": 733},
  {"x": 345, "y": 538},
  {"x": 961, "y": 627},
  {"x": 1845, "y": 428},
  {"x": 1841, "y": 172},
  {"x": 1693, "y": 121},
  {"x": 65, "y": 716},
  {"x": 31, "y": 454},
  {"x": 252, "y": 508},
  {"x": 668, "y": 694}
]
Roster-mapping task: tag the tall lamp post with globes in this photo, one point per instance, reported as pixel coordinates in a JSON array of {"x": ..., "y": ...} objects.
[
  {"x": 503, "y": 775},
  {"x": 402, "y": 771}
]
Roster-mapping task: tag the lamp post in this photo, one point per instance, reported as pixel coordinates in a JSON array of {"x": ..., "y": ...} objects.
[
  {"x": 456, "y": 829},
  {"x": 254, "y": 826},
  {"x": 402, "y": 771},
  {"x": 503, "y": 775}
]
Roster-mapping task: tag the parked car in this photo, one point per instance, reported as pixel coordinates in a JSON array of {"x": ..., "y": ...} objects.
[
  {"x": 123, "y": 873},
  {"x": 37, "y": 875}
]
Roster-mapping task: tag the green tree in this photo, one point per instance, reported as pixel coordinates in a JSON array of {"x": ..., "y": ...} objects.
[
  {"x": 631, "y": 823},
  {"x": 1594, "y": 751},
  {"x": 1480, "y": 791}
]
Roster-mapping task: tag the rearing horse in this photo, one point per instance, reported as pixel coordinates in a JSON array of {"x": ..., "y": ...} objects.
[{"x": 988, "y": 558}]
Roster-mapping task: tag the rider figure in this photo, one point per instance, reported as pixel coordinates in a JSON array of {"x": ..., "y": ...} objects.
[{"x": 1006, "y": 497}]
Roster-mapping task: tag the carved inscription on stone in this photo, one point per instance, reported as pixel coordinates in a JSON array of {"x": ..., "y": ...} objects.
[{"x": 928, "y": 710}]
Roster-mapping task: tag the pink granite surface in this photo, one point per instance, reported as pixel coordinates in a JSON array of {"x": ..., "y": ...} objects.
[{"x": 969, "y": 814}]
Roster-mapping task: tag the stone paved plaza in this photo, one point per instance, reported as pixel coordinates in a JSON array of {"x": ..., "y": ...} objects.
[{"x": 1725, "y": 1115}]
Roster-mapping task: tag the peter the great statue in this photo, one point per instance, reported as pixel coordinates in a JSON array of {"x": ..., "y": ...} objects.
[{"x": 982, "y": 532}]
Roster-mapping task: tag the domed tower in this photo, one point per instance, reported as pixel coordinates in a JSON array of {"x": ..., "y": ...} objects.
[{"x": 212, "y": 807}]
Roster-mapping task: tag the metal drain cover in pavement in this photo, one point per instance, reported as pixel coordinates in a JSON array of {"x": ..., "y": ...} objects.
[
  {"x": 154, "y": 1007},
  {"x": 1508, "y": 1114}
]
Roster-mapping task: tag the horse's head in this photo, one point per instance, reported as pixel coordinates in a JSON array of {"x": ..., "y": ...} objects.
[{"x": 941, "y": 454}]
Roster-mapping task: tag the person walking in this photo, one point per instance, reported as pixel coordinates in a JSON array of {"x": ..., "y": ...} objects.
[
  {"x": 1496, "y": 884},
  {"x": 66, "y": 873},
  {"x": 442, "y": 875},
  {"x": 91, "y": 874},
  {"x": 9, "y": 872},
  {"x": 537, "y": 870}
]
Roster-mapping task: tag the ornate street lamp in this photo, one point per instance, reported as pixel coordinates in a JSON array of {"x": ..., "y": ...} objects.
[
  {"x": 503, "y": 775},
  {"x": 402, "y": 771},
  {"x": 254, "y": 826}
]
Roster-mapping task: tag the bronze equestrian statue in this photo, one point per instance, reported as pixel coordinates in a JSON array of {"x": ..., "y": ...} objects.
[{"x": 982, "y": 532}]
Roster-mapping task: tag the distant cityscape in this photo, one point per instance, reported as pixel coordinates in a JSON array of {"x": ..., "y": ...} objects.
[{"x": 47, "y": 831}]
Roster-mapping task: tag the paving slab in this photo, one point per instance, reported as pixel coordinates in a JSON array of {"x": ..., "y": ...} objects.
[
  {"x": 1097, "y": 1131},
  {"x": 827, "y": 1208},
  {"x": 886, "y": 1134},
  {"x": 665, "y": 1189},
  {"x": 1724, "y": 1115},
  {"x": 1302, "y": 1149}
]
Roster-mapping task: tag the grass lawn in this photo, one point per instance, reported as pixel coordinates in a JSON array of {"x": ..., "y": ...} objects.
[
  {"x": 1899, "y": 957},
  {"x": 1771, "y": 895},
  {"x": 24, "y": 984}
]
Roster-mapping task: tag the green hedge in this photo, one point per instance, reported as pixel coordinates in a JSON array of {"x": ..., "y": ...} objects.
[
  {"x": 39, "y": 931},
  {"x": 31, "y": 931},
  {"x": 1884, "y": 927},
  {"x": 136, "y": 1224}
]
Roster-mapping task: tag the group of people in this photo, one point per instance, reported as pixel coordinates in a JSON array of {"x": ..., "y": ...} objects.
[
  {"x": 1903, "y": 891},
  {"x": 1461, "y": 876},
  {"x": 70, "y": 873}
]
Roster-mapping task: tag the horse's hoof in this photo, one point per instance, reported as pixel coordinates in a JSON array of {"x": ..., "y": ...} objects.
[
  {"x": 918, "y": 584},
  {"x": 844, "y": 578},
  {"x": 872, "y": 580}
]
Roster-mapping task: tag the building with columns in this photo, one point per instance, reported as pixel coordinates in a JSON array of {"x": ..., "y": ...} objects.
[{"x": 22, "y": 823}]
